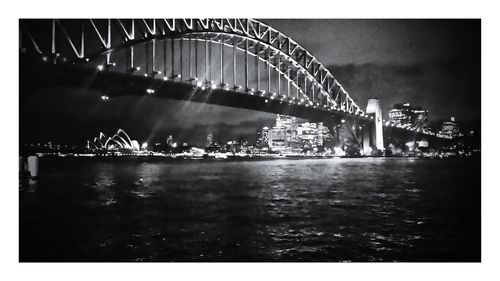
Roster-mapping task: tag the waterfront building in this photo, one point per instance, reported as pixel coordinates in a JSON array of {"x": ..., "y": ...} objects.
[
  {"x": 408, "y": 115},
  {"x": 450, "y": 128},
  {"x": 289, "y": 123},
  {"x": 307, "y": 133},
  {"x": 262, "y": 137},
  {"x": 283, "y": 137},
  {"x": 118, "y": 142},
  {"x": 210, "y": 140},
  {"x": 421, "y": 119},
  {"x": 312, "y": 135},
  {"x": 170, "y": 140},
  {"x": 290, "y": 136},
  {"x": 277, "y": 138}
]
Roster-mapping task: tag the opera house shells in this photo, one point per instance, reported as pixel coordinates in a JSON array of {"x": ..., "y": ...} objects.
[{"x": 118, "y": 142}]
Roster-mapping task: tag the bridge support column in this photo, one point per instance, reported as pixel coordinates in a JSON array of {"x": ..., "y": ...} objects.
[
  {"x": 375, "y": 130},
  {"x": 367, "y": 139}
]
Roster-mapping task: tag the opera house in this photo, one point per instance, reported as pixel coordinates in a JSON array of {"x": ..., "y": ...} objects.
[{"x": 120, "y": 142}]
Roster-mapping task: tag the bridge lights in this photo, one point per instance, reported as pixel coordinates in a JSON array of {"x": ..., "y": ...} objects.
[{"x": 134, "y": 69}]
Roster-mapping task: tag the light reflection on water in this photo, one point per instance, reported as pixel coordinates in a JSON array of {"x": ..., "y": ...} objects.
[{"x": 282, "y": 210}]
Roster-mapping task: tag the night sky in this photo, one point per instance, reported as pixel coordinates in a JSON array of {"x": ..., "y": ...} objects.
[{"x": 432, "y": 63}]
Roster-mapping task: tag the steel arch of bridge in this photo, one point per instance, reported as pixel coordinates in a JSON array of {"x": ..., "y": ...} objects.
[{"x": 73, "y": 41}]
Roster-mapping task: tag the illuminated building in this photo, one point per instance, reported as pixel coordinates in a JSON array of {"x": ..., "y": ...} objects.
[
  {"x": 284, "y": 135},
  {"x": 289, "y": 136},
  {"x": 170, "y": 140},
  {"x": 421, "y": 118},
  {"x": 262, "y": 137},
  {"x": 450, "y": 128},
  {"x": 119, "y": 141},
  {"x": 312, "y": 134},
  {"x": 423, "y": 143},
  {"x": 277, "y": 138},
  {"x": 210, "y": 140},
  {"x": 307, "y": 133},
  {"x": 406, "y": 114},
  {"x": 290, "y": 125}
]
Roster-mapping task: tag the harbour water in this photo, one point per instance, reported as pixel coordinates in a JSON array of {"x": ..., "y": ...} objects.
[{"x": 369, "y": 209}]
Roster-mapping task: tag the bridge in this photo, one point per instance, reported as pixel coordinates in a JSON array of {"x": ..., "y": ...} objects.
[{"x": 240, "y": 63}]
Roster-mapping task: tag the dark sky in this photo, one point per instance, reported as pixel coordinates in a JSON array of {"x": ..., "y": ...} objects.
[
  {"x": 387, "y": 42},
  {"x": 432, "y": 63}
]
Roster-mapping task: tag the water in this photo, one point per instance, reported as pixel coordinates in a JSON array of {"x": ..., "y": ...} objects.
[{"x": 279, "y": 210}]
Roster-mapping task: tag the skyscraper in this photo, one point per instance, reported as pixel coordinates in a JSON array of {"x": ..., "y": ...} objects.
[
  {"x": 210, "y": 140},
  {"x": 262, "y": 137},
  {"x": 406, "y": 114},
  {"x": 450, "y": 128}
]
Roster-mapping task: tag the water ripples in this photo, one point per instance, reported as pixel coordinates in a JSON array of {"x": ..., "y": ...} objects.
[{"x": 324, "y": 210}]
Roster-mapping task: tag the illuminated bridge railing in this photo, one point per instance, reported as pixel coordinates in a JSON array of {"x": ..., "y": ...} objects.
[{"x": 242, "y": 55}]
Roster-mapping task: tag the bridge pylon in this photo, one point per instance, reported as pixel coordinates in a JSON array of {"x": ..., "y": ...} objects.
[{"x": 373, "y": 136}]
